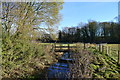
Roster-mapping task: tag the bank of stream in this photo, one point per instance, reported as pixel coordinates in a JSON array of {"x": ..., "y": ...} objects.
[{"x": 83, "y": 64}]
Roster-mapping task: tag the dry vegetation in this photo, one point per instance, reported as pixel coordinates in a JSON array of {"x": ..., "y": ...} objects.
[
  {"x": 81, "y": 67},
  {"x": 95, "y": 64}
]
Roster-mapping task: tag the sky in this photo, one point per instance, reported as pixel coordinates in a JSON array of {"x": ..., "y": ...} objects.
[{"x": 73, "y": 13}]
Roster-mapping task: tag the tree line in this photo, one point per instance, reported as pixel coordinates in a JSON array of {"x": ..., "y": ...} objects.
[{"x": 92, "y": 32}]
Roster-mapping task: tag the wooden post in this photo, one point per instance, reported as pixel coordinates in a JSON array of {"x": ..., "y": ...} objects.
[
  {"x": 107, "y": 50},
  {"x": 84, "y": 45},
  {"x": 119, "y": 54},
  {"x": 118, "y": 57},
  {"x": 99, "y": 48},
  {"x": 103, "y": 48}
]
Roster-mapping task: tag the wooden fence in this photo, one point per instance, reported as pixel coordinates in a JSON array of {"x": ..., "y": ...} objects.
[
  {"x": 112, "y": 51},
  {"x": 63, "y": 47}
]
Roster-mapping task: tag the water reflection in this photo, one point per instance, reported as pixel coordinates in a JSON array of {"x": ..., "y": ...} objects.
[{"x": 61, "y": 68}]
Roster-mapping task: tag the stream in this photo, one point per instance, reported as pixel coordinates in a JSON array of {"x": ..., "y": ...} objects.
[{"x": 61, "y": 69}]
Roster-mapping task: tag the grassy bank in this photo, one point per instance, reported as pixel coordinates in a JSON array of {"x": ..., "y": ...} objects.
[
  {"x": 91, "y": 63},
  {"x": 102, "y": 65}
]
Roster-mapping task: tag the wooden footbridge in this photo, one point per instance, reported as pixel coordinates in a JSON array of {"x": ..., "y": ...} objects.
[
  {"x": 64, "y": 48},
  {"x": 109, "y": 50}
]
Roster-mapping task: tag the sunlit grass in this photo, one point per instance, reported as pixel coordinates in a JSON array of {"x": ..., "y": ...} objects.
[{"x": 114, "y": 46}]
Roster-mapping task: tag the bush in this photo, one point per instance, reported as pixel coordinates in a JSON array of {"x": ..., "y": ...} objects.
[{"x": 23, "y": 57}]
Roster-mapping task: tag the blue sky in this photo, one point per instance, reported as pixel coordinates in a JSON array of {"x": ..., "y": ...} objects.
[{"x": 75, "y": 12}]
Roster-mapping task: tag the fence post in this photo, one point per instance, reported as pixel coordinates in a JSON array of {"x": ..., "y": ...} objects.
[
  {"x": 102, "y": 48},
  {"x": 118, "y": 57},
  {"x": 107, "y": 50},
  {"x": 118, "y": 53},
  {"x": 99, "y": 48},
  {"x": 84, "y": 45}
]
